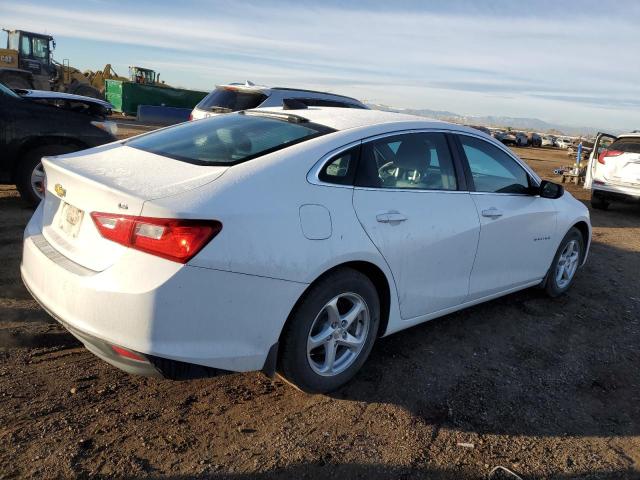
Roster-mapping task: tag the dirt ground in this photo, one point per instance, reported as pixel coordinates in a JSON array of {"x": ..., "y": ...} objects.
[{"x": 549, "y": 388}]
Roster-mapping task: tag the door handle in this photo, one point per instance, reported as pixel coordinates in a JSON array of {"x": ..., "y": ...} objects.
[
  {"x": 390, "y": 217},
  {"x": 492, "y": 212}
]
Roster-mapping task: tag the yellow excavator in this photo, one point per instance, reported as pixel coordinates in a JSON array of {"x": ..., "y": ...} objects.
[{"x": 28, "y": 63}]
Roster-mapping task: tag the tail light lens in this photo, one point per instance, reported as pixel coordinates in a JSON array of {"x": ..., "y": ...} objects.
[
  {"x": 170, "y": 238},
  {"x": 190, "y": 116},
  {"x": 608, "y": 153}
]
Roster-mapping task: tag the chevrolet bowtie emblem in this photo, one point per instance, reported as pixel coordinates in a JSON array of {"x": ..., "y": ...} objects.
[{"x": 60, "y": 191}]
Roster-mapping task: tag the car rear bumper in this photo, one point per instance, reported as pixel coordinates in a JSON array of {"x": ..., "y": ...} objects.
[
  {"x": 627, "y": 191},
  {"x": 160, "y": 309}
]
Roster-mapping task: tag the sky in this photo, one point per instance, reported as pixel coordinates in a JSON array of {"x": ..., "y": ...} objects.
[{"x": 571, "y": 62}]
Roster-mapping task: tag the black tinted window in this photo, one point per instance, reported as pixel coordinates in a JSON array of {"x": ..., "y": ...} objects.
[
  {"x": 492, "y": 169},
  {"x": 341, "y": 168},
  {"x": 321, "y": 102},
  {"x": 226, "y": 139},
  {"x": 231, "y": 99},
  {"x": 410, "y": 161},
  {"x": 627, "y": 145}
]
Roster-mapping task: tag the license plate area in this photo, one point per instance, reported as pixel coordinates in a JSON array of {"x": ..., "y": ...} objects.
[{"x": 70, "y": 219}]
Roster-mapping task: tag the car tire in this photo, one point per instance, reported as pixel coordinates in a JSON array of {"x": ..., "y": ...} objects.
[
  {"x": 599, "y": 202},
  {"x": 318, "y": 325},
  {"x": 25, "y": 175},
  {"x": 566, "y": 262}
]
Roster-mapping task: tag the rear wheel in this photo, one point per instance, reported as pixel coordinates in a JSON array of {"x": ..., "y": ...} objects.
[
  {"x": 565, "y": 263},
  {"x": 30, "y": 176},
  {"x": 331, "y": 332},
  {"x": 599, "y": 201}
]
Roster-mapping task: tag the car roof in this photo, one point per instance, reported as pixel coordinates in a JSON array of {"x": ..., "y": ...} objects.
[
  {"x": 346, "y": 118},
  {"x": 629, "y": 135}
]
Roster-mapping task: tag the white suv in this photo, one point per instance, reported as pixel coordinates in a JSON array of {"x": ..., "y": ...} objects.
[
  {"x": 614, "y": 169},
  {"x": 245, "y": 96}
]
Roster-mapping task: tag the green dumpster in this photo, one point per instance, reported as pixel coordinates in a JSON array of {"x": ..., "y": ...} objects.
[{"x": 126, "y": 96}]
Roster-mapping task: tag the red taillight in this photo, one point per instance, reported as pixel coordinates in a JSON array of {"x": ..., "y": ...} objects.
[
  {"x": 190, "y": 116},
  {"x": 608, "y": 153},
  {"x": 123, "y": 352},
  {"x": 170, "y": 238}
]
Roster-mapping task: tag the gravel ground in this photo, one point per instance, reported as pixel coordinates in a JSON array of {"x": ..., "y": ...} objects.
[{"x": 548, "y": 388}]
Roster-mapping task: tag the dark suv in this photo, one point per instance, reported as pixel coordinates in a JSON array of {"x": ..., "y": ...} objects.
[{"x": 35, "y": 124}]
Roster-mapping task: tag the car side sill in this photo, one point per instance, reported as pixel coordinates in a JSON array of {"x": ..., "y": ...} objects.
[{"x": 396, "y": 327}]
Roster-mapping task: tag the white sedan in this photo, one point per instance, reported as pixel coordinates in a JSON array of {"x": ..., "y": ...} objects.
[{"x": 289, "y": 240}]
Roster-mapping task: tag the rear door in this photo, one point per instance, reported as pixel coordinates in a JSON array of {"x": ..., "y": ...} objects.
[
  {"x": 603, "y": 140},
  {"x": 414, "y": 208},
  {"x": 517, "y": 229}
]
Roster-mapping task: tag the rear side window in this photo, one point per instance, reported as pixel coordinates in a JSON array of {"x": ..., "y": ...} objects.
[
  {"x": 227, "y": 139},
  {"x": 412, "y": 161},
  {"x": 626, "y": 145},
  {"x": 492, "y": 169},
  {"x": 341, "y": 168},
  {"x": 231, "y": 99}
]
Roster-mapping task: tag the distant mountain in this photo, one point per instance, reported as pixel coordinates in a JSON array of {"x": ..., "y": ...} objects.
[{"x": 516, "y": 123}]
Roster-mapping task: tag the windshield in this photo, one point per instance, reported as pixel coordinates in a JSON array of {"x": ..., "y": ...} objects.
[
  {"x": 231, "y": 99},
  {"x": 228, "y": 139},
  {"x": 4, "y": 90}
]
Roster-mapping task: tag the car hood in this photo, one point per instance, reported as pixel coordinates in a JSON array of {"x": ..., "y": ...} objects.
[{"x": 60, "y": 97}]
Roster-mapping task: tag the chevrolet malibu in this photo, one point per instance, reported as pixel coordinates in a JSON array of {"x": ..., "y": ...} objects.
[{"x": 288, "y": 241}]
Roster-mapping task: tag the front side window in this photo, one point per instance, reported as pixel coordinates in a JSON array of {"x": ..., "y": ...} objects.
[
  {"x": 40, "y": 48},
  {"x": 492, "y": 169},
  {"x": 227, "y": 139},
  {"x": 416, "y": 161}
]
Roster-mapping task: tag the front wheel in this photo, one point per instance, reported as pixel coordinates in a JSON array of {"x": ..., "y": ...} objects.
[
  {"x": 565, "y": 263},
  {"x": 331, "y": 332}
]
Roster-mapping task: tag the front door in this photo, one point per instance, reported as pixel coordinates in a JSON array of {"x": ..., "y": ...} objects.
[
  {"x": 407, "y": 200},
  {"x": 517, "y": 229}
]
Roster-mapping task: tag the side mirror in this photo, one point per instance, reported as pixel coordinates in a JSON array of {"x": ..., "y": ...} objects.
[{"x": 550, "y": 190}]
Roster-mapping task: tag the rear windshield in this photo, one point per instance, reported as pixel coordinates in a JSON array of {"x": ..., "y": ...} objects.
[
  {"x": 231, "y": 99},
  {"x": 228, "y": 139},
  {"x": 627, "y": 145}
]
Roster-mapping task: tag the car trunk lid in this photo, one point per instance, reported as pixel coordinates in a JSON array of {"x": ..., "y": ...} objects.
[{"x": 103, "y": 180}]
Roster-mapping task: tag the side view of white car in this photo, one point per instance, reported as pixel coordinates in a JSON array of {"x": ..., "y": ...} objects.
[
  {"x": 613, "y": 172},
  {"x": 280, "y": 241}
]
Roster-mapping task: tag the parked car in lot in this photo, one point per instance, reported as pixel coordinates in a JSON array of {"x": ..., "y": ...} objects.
[
  {"x": 522, "y": 139},
  {"x": 613, "y": 171},
  {"x": 35, "y": 123},
  {"x": 563, "y": 142},
  {"x": 507, "y": 138},
  {"x": 535, "y": 140},
  {"x": 272, "y": 240},
  {"x": 548, "y": 141},
  {"x": 242, "y": 96}
]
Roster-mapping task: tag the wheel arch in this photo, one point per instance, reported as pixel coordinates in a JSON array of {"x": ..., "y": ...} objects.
[
  {"x": 585, "y": 230},
  {"x": 371, "y": 271}
]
